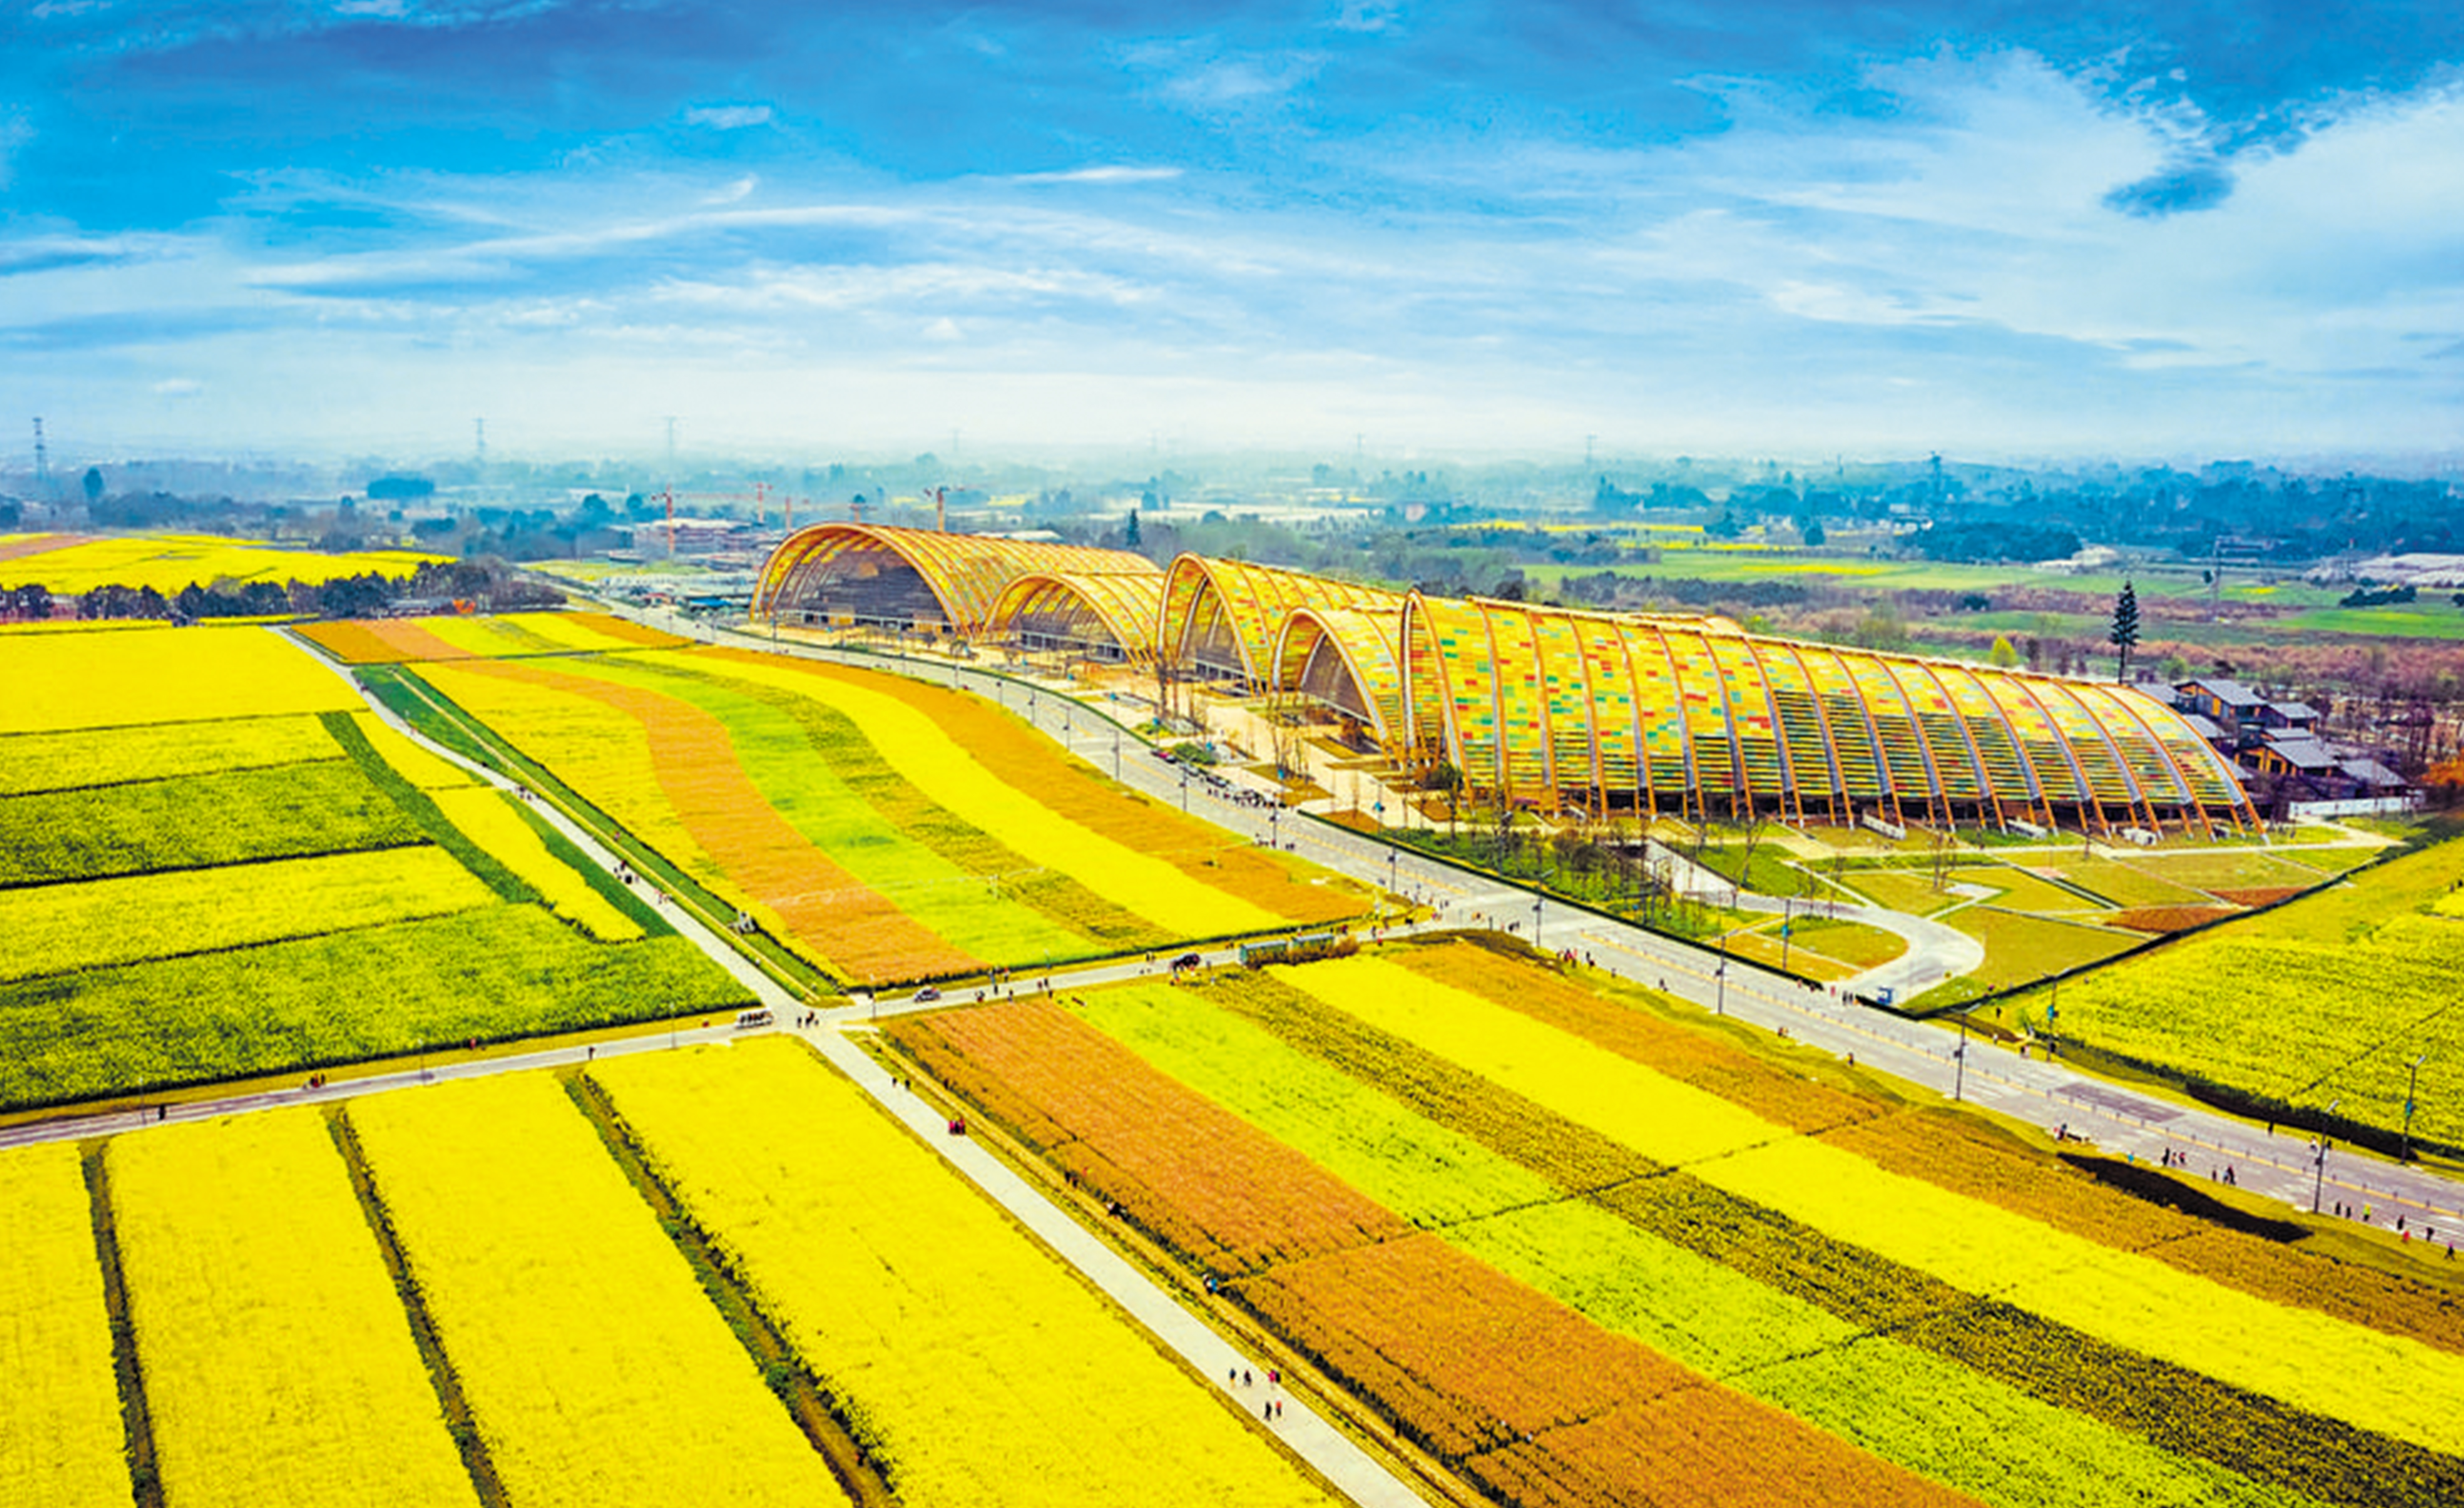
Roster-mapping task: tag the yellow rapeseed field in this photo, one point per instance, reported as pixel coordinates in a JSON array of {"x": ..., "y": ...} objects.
[
  {"x": 537, "y": 633},
  {"x": 982, "y": 1371},
  {"x": 487, "y": 815},
  {"x": 168, "y": 562},
  {"x": 61, "y": 1438},
  {"x": 279, "y": 1367},
  {"x": 107, "y": 756},
  {"x": 595, "y": 748},
  {"x": 159, "y": 675},
  {"x": 596, "y": 1370},
  {"x": 409, "y": 759},
  {"x": 2377, "y": 1381},
  {"x": 53, "y": 927},
  {"x": 919, "y": 749}
]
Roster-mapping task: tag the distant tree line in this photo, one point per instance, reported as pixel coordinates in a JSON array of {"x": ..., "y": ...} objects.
[
  {"x": 1996, "y": 540},
  {"x": 488, "y": 583},
  {"x": 2385, "y": 597}
]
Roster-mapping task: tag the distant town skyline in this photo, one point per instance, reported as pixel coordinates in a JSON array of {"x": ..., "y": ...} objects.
[{"x": 2013, "y": 233}]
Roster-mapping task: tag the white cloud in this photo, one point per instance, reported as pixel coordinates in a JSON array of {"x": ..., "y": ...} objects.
[
  {"x": 734, "y": 192},
  {"x": 1111, "y": 173},
  {"x": 728, "y": 118},
  {"x": 179, "y": 387},
  {"x": 944, "y": 330}
]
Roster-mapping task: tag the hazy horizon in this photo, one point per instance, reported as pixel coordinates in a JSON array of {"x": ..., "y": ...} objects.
[{"x": 2129, "y": 233}]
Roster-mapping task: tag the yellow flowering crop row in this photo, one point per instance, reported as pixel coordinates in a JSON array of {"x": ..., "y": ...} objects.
[
  {"x": 945, "y": 771},
  {"x": 595, "y": 1368},
  {"x": 61, "y": 1438},
  {"x": 410, "y": 761},
  {"x": 54, "y": 928},
  {"x": 2378, "y": 1382},
  {"x": 168, "y": 562},
  {"x": 486, "y": 815},
  {"x": 980, "y": 1371},
  {"x": 158, "y": 675},
  {"x": 64, "y": 761},
  {"x": 593, "y": 748},
  {"x": 279, "y": 1367},
  {"x": 542, "y": 633}
]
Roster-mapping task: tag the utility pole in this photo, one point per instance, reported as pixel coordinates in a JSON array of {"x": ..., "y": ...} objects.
[
  {"x": 2319, "y": 1184},
  {"x": 2413, "y": 1081},
  {"x": 42, "y": 457},
  {"x": 1959, "y": 1071}
]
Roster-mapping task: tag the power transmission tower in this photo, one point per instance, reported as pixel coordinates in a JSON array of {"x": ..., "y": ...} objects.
[{"x": 42, "y": 457}]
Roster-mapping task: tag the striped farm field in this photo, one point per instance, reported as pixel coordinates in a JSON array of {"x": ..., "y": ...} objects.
[
  {"x": 1976, "y": 1316},
  {"x": 1948, "y": 1149},
  {"x": 2374, "y": 1381},
  {"x": 1839, "y": 1286},
  {"x": 1185, "y": 1170},
  {"x": 596, "y": 1370},
  {"x": 97, "y": 923},
  {"x": 279, "y": 1367},
  {"x": 215, "y": 861},
  {"x": 1075, "y": 791},
  {"x": 976, "y": 1368},
  {"x": 490, "y": 818},
  {"x": 1920, "y": 1411},
  {"x": 87, "y": 757},
  {"x": 884, "y": 836},
  {"x": 398, "y": 641},
  {"x": 60, "y": 1436},
  {"x": 195, "y": 821}
]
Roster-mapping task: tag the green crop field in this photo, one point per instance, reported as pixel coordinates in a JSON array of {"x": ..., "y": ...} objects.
[{"x": 2324, "y": 999}]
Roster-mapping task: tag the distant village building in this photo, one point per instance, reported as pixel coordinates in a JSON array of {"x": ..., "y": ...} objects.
[{"x": 2304, "y": 773}]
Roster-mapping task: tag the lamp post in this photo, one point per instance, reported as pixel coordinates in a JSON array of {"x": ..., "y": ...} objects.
[
  {"x": 1720, "y": 1007},
  {"x": 2319, "y": 1184},
  {"x": 1959, "y": 1067},
  {"x": 1787, "y": 917},
  {"x": 1536, "y": 902},
  {"x": 1116, "y": 754},
  {"x": 1184, "y": 788},
  {"x": 2413, "y": 1081}
]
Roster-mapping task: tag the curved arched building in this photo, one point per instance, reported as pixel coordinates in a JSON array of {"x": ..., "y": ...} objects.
[
  {"x": 1695, "y": 715},
  {"x": 914, "y": 579},
  {"x": 1222, "y": 618},
  {"x": 1109, "y": 617},
  {"x": 1554, "y": 706}
]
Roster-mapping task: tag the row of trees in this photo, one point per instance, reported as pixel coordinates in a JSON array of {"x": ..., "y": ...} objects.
[{"x": 489, "y": 583}]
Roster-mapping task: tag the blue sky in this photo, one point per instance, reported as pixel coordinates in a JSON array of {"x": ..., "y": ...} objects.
[{"x": 2131, "y": 230}]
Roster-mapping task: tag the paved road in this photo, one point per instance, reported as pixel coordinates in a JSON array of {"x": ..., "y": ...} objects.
[{"x": 2114, "y": 1119}]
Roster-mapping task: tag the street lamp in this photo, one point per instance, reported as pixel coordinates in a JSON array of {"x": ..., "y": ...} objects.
[
  {"x": 1959, "y": 1068},
  {"x": 1787, "y": 917},
  {"x": 1184, "y": 788},
  {"x": 2413, "y": 1081},
  {"x": 1535, "y": 921},
  {"x": 2319, "y": 1185},
  {"x": 1116, "y": 754},
  {"x": 1721, "y": 1006}
]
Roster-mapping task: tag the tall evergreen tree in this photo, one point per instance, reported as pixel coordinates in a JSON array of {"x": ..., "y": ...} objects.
[{"x": 2125, "y": 630}]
